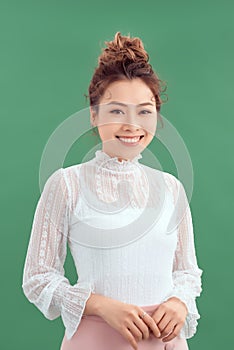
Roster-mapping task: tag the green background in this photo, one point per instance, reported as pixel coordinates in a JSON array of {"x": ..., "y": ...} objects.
[{"x": 48, "y": 53}]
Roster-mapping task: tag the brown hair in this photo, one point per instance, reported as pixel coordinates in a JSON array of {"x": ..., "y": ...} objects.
[{"x": 123, "y": 58}]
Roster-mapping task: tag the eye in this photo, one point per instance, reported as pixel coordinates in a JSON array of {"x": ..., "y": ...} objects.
[
  {"x": 147, "y": 112},
  {"x": 115, "y": 110}
]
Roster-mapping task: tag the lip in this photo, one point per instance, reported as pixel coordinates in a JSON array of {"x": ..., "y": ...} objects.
[
  {"x": 128, "y": 144},
  {"x": 130, "y": 137}
]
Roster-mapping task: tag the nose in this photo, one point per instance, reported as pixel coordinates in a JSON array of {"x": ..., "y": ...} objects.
[
  {"x": 130, "y": 122},
  {"x": 128, "y": 126}
]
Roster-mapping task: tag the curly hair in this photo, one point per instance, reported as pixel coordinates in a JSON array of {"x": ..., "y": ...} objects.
[{"x": 123, "y": 58}]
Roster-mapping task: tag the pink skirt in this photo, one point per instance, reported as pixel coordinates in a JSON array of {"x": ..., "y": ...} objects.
[{"x": 94, "y": 333}]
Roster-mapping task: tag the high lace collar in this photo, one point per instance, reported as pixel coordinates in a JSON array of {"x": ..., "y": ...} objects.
[{"x": 105, "y": 161}]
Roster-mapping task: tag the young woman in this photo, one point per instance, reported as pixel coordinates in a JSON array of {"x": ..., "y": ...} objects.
[{"x": 137, "y": 279}]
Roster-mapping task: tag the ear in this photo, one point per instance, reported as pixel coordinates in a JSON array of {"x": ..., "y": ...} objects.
[{"x": 92, "y": 116}]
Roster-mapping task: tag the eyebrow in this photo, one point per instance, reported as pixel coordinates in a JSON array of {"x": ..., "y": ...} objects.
[{"x": 123, "y": 104}]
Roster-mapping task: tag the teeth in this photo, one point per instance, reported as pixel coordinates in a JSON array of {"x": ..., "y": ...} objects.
[{"x": 130, "y": 140}]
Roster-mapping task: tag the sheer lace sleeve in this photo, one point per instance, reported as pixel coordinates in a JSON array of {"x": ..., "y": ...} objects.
[
  {"x": 44, "y": 283},
  {"x": 186, "y": 273}
]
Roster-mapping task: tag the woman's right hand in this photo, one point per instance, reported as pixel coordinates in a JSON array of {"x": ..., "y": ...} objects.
[{"x": 125, "y": 318}]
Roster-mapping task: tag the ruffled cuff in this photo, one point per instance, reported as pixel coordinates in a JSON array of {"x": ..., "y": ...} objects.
[
  {"x": 190, "y": 325},
  {"x": 73, "y": 304}
]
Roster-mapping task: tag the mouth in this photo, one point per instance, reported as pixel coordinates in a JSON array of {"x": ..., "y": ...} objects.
[
  {"x": 130, "y": 140},
  {"x": 130, "y": 137}
]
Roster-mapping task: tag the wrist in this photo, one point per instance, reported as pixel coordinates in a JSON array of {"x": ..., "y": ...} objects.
[
  {"x": 178, "y": 300},
  {"x": 93, "y": 304},
  {"x": 97, "y": 303}
]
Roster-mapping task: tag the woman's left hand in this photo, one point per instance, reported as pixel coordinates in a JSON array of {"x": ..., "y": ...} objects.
[{"x": 170, "y": 317}]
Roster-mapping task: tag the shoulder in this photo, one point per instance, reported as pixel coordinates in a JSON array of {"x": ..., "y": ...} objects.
[
  {"x": 72, "y": 173},
  {"x": 170, "y": 180},
  {"x": 61, "y": 179},
  {"x": 71, "y": 178}
]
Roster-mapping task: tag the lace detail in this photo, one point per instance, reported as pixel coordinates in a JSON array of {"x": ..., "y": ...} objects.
[
  {"x": 44, "y": 283},
  {"x": 62, "y": 213},
  {"x": 116, "y": 183},
  {"x": 186, "y": 273},
  {"x": 102, "y": 159}
]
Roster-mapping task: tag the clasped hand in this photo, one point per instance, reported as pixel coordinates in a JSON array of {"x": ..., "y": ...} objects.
[{"x": 170, "y": 317}]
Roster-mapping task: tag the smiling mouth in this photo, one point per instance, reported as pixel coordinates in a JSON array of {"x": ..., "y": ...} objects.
[
  {"x": 130, "y": 141},
  {"x": 130, "y": 137}
]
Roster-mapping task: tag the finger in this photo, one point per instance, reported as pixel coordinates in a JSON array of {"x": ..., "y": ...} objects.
[
  {"x": 168, "y": 329},
  {"x": 165, "y": 325},
  {"x": 136, "y": 332},
  {"x": 130, "y": 338},
  {"x": 152, "y": 325},
  {"x": 173, "y": 334},
  {"x": 142, "y": 326},
  {"x": 159, "y": 314}
]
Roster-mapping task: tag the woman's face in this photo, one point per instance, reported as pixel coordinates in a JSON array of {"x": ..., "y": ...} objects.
[{"x": 127, "y": 111}]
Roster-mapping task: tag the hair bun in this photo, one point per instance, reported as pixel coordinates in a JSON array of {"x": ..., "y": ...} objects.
[
  {"x": 124, "y": 58},
  {"x": 123, "y": 48}
]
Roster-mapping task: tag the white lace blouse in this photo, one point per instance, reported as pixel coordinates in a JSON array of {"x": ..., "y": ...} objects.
[{"x": 130, "y": 232}]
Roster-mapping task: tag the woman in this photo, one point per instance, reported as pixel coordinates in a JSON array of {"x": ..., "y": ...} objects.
[{"x": 138, "y": 279}]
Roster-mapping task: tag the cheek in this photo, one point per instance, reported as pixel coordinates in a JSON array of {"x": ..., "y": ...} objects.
[
  {"x": 107, "y": 131},
  {"x": 148, "y": 139},
  {"x": 150, "y": 128}
]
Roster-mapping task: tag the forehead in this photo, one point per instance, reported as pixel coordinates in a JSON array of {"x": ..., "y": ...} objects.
[{"x": 128, "y": 92}]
